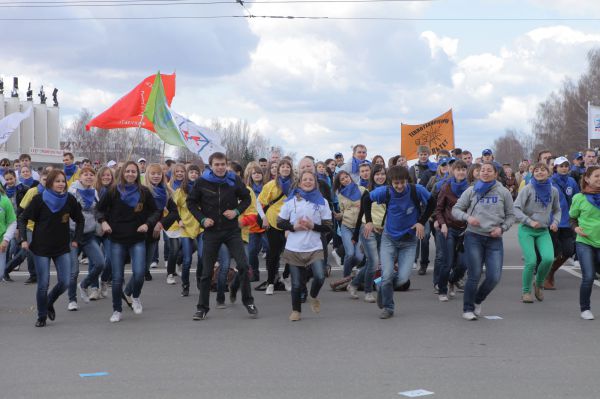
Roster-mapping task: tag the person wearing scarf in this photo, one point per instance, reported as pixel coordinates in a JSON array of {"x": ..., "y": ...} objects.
[
  {"x": 85, "y": 193},
  {"x": 8, "y": 226},
  {"x": 70, "y": 168},
  {"x": 349, "y": 195},
  {"x": 228, "y": 178},
  {"x": 359, "y": 157},
  {"x": 452, "y": 266},
  {"x": 585, "y": 219},
  {"x": 52, "y": 240},
  {"x": 564, "y": 238},
  {"x": 537, "y": 208},
  {"x": 487, "y": 208},
  {"x": 305, "y": 215}
]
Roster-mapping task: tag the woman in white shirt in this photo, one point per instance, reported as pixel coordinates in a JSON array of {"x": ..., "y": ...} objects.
[{"x": 304, "y": 216}]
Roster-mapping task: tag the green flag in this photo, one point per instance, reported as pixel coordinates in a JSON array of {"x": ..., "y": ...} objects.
[{"x": 157, "y": 111}]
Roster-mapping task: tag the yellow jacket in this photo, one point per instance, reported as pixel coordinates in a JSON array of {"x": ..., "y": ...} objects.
[
  {"x": 191, "y": 226},
  {"x": 350, "y": 209},
  {"x": 32, "y": 192},
  {"x": 269, "y": 193}
]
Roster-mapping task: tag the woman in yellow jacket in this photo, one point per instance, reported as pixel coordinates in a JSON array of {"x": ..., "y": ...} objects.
[
  {"x": 271, "y": 199},
  {"x": 349, "y": 194}
]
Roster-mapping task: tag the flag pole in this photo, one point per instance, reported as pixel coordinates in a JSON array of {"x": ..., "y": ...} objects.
[{"x": 137, "y": 135}]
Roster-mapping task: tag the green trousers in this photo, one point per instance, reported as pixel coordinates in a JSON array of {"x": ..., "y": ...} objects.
[{"x": 529, "y": 240}]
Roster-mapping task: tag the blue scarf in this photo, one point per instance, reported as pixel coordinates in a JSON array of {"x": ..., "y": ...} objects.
[
  {"x": 528, "y": 177},
  {"x": 169, "y": 174},
  {"x": 323, "y": 176},
  {"x": 594, "y": 199},
  {"x": 560, "y": 180},
  {"x": 458, "y": 187},
  {"x": 432, "y": 166},
  {"x": 10, "y": 191},
  {"x": 103, "y": 191},
  {"x": 482, "y": 188},
  {"x": 313, "y": 196},
  {"x": 441, "y": 182},
  {"x": 53, "y": 200},
  {"x": 88, "y": 195},
  {"x": 356, "y": 164},
  {"x": 176, "y": 184},
  {"x": 160, "y": 196},
  {"x": 285, "y": 183},
  {"x": 364, "y": 183},
  {"x": 190, "y": 185},
  {"x": 70, "y": 170},
  {"x": 257, "y": 188},
  {"x": 351, "y": 191},
  {"x": 41, "y": 188},
  {"x": 543, "y": 190},
  {"x": 130, "y": 194},
  {"x": 228, "y": 178},
  {"x": 27, "y": 182}
]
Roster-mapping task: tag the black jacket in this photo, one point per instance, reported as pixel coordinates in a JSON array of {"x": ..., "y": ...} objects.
[{"x": 210, "y": 200}]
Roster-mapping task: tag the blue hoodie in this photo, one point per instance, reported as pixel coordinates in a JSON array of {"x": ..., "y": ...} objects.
[
  {"x": 401, "y": 211},
  {"x": 565, "y": 184}
]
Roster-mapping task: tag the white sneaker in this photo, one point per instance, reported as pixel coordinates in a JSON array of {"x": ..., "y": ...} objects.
[
  {"x": 336, "y": 257},
  {"x": 137, "y": 306},
  {"x": 370, "y": 298},
  {"x": 116, "y": 317},
  {"x": 415, "y": 266},
  {"x": 587, "y": 315},
  {"x": 171, "y": 279},
  {"x": 104, "y": 289},
  {"x": 83, "y": 293},
  {"x": 153, "y": 265},
  {"x": 84, "y": 261},
  {"x": 94, "y": 294},
  {"x": 352, "y": 290},
  {"x": 469, "y": 316},
  {"x": 72, "y": 306},
  {"x": 179, "y": 269},
  {"x": 288, "y": 284},
  {"x": 443, "y": 298},
  {"x": 270, "y": 289},
  {"x": 451, "y": 290},
  {"x": 477, "y": 310}
]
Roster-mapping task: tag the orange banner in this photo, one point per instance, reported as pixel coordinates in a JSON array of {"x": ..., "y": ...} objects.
[{"x": 438, "y": 134}]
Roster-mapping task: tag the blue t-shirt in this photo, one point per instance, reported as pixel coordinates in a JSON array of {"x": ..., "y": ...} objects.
[
  {"x": 402, "y": 213},
  {"x": 567, "y": 185}
]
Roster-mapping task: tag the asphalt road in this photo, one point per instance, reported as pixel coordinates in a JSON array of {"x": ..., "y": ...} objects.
[{"x": 540, "y": 350}]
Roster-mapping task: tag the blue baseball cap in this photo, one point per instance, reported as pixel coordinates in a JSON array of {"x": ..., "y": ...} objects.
[
  {"x": 452, "y": 160},
  {"x": 444, "y": 161},
  {"x": 487, "y": 151},
  {"x": 338, "y": 154},
  {"x": 578, "y": 155}
]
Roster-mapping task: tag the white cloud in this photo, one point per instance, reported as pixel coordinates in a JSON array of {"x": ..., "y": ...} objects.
[{"x": 446, "y": 44}]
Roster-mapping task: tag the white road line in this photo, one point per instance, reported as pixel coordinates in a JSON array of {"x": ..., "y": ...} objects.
[{"x": 574, "y": 271}]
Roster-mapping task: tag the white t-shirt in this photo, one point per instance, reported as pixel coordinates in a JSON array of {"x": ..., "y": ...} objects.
[{"x": 304, "y": 241}]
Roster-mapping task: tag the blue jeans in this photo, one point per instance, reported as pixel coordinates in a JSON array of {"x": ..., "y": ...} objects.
[
  {"x": 90, "y": 246},
  {"x": 371, "y": 248},
  {"x": 224, "y": 261},
  {"x": 298, "y": 275},
  {"x": 3, "y": 257},
  {"x": 187, "y": 248},
  {"x": 174, "y": 244},
  {"x": 453, "y": 266},
  {"x": 404, "y": 251},
  {"x": 256, "y": 243},
  {"x": 353, "y": 253},
  {"x": 63, "y": 273},
  {"x": 440, "y": 255},
  {"x": 589, "y": 258},
  {"x": 166, "y": 246},
  {"x": 137, "y": 252},
  {"x": 480, "y": 250},
  {"x": 107, "y": 273}
]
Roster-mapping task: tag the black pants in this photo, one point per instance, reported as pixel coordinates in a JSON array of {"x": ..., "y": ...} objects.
[
  {"x": 564, "y": 242},
  {"x": 276, "y": 240},
  {"x": 212, "y": 242}
]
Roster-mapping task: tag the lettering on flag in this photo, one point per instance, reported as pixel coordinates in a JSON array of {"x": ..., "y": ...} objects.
[
  {"x": 199, "y": 140},
  {"x": 438, "y": 134}
]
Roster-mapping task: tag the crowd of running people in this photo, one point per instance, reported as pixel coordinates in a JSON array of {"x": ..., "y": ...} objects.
[{"x": 377, "y": 217}]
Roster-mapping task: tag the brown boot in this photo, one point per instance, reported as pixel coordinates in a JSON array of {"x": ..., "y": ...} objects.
[{"x": 549, "y": 282}]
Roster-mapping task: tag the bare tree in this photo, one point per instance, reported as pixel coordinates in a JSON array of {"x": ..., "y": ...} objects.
[{"x": 509, "y": 149}]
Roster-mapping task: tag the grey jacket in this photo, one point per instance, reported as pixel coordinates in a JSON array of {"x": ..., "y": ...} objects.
[
  {"x": 495, "y": 209},
  {"x": 89, "y": 215},
  {"x": 527, "y": 209}
]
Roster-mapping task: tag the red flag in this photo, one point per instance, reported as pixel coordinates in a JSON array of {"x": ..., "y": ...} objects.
[{"x": 127, "y": 112}]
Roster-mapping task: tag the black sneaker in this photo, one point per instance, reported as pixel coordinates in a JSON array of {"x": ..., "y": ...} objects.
[
  {"x": 51, "y": 312},
  {"x": 148, "y": 276},
  {"x": 232, "y": 296},
  {"x": 252, "y": 310},
  {"x": 31, "y": 280},
  {"x": 7, "y": 278},
  {"x": 386, "y": 314},
  {"x": 185, "y": 290},
  {"x": 128, "y": 300},
  {"x": 422, "y": 270},
  {"x": 200, "y": 315},
  {"x": 40, "y": 323}
]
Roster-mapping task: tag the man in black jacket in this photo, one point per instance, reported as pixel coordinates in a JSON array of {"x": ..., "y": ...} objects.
[{"x": 216, "y": 201}]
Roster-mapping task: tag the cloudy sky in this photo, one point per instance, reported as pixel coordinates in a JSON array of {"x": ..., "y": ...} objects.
[{"x": 315, "y": 86}]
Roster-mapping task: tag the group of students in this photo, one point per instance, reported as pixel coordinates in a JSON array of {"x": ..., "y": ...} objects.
[{"x": 378, "y": 218}]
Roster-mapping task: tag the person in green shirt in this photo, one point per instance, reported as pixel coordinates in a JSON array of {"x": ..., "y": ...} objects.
[
  {"x": 8, "y": 225},
  {"x": 585, "y": 219}
]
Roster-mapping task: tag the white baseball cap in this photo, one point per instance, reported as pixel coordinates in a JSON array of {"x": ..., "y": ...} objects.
[
  {"x": 560, "y": 161},
  {"x": 111, "y": 163},
  {"x": 141, "y": 160}
]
